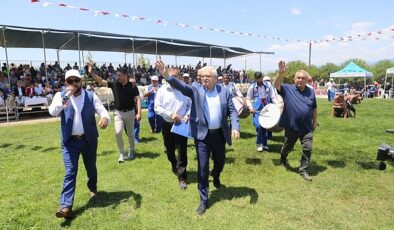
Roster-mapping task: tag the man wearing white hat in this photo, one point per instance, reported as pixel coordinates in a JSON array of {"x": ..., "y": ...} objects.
[
  {"x": 186, "y": 78},
  {"x": 79, "y": 135},
  {"x": 150, "y": 92}
]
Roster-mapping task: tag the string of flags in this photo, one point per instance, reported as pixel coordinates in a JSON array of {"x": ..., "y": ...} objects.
[{"x": 386, "y": 33}]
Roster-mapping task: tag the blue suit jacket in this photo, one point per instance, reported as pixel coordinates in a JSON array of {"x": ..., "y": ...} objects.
[{"x": 198, "y": 123}]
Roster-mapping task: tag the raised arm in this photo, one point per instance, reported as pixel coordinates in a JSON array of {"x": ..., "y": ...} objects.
[
  {"x": 279, "y": 77},
  {"x": 175, "y": 83},
  {"x": 98, "y": 79}
]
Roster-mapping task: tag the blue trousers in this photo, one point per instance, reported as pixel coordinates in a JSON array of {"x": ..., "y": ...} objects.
[
  {"x": 155, "y": 121},
  {"x": 71, "y": 151},
  {"x": 331, "y": 95},
  {"x": 213, "y": 143},
  {"x": 262, "y": 136},
  {"x": 137, "y": 130},
  {"x": 261, "y": 133}
]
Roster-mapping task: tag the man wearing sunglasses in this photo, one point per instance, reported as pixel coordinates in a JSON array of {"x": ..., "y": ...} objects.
[
  {"x": 79, "y": 135},
  {"x": 126, "y": 109}
]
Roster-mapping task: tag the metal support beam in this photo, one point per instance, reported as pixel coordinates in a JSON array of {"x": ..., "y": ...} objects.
[
  {"x": 79, "y": 51},
  {"x": 6, "y": 54},
  {"x": 45, "y": 54}
]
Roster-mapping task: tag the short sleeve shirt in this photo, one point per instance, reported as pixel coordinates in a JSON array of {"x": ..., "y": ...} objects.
[
  {"x": 124, "y": 95},
  {"x": 298, "y": 108}
]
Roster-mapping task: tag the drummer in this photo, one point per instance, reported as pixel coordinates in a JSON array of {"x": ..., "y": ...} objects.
[{"x": 260, "y": 93}]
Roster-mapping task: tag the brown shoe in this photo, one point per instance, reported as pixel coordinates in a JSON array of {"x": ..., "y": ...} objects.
[{"x": 64, "y": 213}]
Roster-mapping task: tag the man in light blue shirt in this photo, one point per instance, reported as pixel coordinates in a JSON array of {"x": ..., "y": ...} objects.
[{"x": 211, "y": 106}]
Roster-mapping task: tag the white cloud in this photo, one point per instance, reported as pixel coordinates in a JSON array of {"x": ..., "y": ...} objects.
[
  {"x": 359, "y": 28},
  {"x": 295, "y": 11}
]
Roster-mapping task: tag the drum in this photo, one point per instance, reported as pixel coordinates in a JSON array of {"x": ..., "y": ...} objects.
[
  {"x": 269, "y": 117},
  {"x": 240, "y": 106}
]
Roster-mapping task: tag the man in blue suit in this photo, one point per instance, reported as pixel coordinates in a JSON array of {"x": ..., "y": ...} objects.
[{"x": 211, "y": 107}]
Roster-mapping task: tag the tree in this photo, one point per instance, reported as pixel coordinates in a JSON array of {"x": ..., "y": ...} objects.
[
  {"x": 379, "y": 69},
  {"x": 143, "y": 62},
  {"x": 325, "y": 70}
]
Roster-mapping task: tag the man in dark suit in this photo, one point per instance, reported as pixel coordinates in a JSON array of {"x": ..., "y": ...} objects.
[
  {"x": 19, "y": 92},
  {"x": 211, "y": 107}
]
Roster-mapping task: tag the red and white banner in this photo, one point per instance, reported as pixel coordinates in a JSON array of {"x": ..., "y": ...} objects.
[{"x": 387, "y": 33}]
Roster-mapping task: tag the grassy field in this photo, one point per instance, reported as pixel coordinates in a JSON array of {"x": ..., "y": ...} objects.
[{"x": 347, "y": 191}]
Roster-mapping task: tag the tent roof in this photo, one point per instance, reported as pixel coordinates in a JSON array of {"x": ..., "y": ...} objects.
[
  {"x": 351, "y": 70},
  {"x": 390, "y": 70},
  {"x": 24, "y": 37}
]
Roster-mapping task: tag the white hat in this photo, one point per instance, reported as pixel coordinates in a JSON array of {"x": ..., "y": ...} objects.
[
  {"x": 266, "y": 78},
  {"x": 73, "y": 73},
  {"x": 154, "y": 78},
  {"x": 331, "y": 79},
  {"x": 185, "y": 75},
  {"x": 220, "y": 78}
]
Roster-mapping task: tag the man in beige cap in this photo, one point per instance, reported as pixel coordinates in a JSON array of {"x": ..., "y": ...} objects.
[{"x": 79, "y": 134}]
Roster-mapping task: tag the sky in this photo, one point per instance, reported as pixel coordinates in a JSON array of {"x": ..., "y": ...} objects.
[{"x": 305, "y": 20}]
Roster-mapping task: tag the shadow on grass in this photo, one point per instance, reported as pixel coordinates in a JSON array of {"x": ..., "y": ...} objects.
[
  {"x": 149, "y": 155},
  {"x": 50, "y": 149},
  {"x": 280, "y": 139},
  {"x": 274, "y": 148},
  {"x": 313, "y": 170},
  {"x": 230, "y": 193},
  {"x": 35, "y": 148},
  {"x": 191, "y": 177},
  {"x": 253, "y": 161},
  {"x": 246, "y": 135},
  {"x": 367, "y": 165},
  {"x": 336, "y": 164},
  {"x": 230, "y": 160},
  {"x": 105, "y": 199},
  {"x": 20, "y": 146},
  {"x": 105, "y": 153},
  {"x": 6, "y": 145},
  {"x": 147, "y": 139}
]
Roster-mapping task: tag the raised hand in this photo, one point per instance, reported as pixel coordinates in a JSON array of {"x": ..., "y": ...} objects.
[
  {"x": 90, "y": 67},
  {"x": 282, "y": 67},
  {"x": 161, "y": 66}
]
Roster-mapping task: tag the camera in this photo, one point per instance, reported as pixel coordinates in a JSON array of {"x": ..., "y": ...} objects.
[{"x": 385, "y": 152}]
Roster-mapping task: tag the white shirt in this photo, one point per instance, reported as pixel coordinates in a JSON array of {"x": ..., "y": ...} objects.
[
  {"x": 213, "y": 109},
  {"x": 20, "y": 92},
  {"x": 169, "y": 100},
  {"x": 77, "y": 102},
  {"x": 256, "y": 91},
  {"x": 330, "y": 85},
  {"x": 39, "y": 90}
]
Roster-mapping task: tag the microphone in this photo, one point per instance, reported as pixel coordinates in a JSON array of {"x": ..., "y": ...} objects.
[{"x": 66, "y": 96}]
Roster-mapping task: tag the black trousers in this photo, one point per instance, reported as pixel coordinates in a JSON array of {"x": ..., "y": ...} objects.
[
  {"x": 172, "y": 142},
  {"x": 306, "y": 139},
  {"x": 214, "y": 143}
]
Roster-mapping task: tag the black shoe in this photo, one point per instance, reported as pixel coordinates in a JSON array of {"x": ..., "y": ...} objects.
[
  {"x": 182, "y": 184},
  {"x": 216, "y": 182},
  {"x": 285, "y": 163},
  {"x": 306, "y": 176},
  {"x": 201, "y": 208}
]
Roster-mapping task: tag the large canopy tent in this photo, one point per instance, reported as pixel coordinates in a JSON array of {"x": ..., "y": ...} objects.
[
  {"x": 45, "y": 38},
  {"x": 352, "y": 70}
]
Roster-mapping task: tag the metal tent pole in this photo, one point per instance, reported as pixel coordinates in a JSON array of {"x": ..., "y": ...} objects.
[
  {"x": 310, "y": 53},
  {"x": 260, "y": 62},
  {"x": 224, "y": 58},
  {"x": 156, "y": 49},
  {"x": 79, "y": 51},
  {"x": 45, "y": 55},
  {"x": 210, "y": 55},
  {"x": 58, "y": 56},
  {"x": 6, "y": 55},
  {"x": 132, "y": 44}
]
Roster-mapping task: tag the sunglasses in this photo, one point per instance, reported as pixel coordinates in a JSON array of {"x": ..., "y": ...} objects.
[{"x": 71, "y": 81}]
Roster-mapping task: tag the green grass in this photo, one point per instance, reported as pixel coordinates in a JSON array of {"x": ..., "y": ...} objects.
[{"x": 347, "y": 191}]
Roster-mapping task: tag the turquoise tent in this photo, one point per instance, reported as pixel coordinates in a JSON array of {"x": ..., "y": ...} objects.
[{"x": 352, "y": 70}]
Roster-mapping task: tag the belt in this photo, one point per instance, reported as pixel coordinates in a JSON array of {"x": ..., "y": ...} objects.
[
  {"x": 213, "y": 131},
  {"x": 78, "y": 137},
  {"x": 124, "y": 110}
]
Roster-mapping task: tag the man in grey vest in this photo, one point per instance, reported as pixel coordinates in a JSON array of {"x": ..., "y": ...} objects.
[{"x": 79, "y": 134}]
